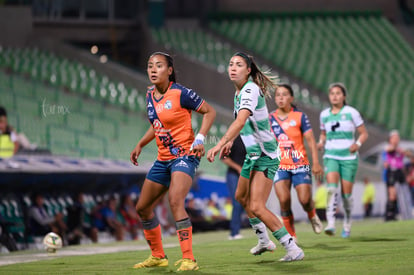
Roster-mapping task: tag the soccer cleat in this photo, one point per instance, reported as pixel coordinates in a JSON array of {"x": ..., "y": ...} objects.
[
  {"x": 153, "y": 262},
  {"x": 316, "y": 224},
  {"x": 261, "y": 248},
  {"x": 293, "y": 255},
  {"x": 330, "y": 231},
  {"x": 187, "y": 264},
  {"x": 345, "y": 233}
]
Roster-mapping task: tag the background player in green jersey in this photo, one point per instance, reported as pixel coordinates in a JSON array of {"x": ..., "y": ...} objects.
[{"x": 338, "y": 125}]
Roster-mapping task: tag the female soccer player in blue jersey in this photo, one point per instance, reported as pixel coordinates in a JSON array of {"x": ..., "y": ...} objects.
[
  {"x": 338, "y": 125},
  {"x": 169, "y": 107},
  {"x": 260, "y": 165}
]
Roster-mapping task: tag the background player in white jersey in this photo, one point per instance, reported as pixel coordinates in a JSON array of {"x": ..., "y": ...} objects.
[
  {"x": 338, "y": 125},
  {"x": 261, "y": 163}
]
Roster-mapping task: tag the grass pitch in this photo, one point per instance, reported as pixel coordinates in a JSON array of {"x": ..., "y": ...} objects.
[{"x": 375, "y": 247}]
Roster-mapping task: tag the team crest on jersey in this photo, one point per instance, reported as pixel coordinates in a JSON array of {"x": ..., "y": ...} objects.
[
  {"x": 168, "y": 105},
  {"x": 343, "y": 117},
  {"x": 292, "y": 123}
]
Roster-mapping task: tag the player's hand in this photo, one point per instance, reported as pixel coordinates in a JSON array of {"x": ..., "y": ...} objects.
[
  {"x": 211, "y": 154},
  {"x": 226, "y": 150},
  {"x": 198, "y": 150},
  {"x": 354, "y": 147},
  {"x": 320, "y": 146},
  {"x": 135, "y": 154},
  {"x": 317, "y": 171}
]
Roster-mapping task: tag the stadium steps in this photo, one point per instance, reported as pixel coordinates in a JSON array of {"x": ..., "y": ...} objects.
[
  {"x": 209, "y": 49},
  {"x": 363, "y": 50},
  {"x": 43, "y": 91}
]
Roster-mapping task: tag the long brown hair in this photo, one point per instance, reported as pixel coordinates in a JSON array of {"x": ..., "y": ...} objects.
[{"x": 266, "y": 81}]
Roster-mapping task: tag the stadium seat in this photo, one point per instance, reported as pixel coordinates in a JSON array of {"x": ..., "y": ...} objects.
[{"x": 361, "y": 50}]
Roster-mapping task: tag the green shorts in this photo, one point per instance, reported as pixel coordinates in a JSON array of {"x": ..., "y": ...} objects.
[
  {"x": 346, "y": 168},
  {"x": 263, "y": 164}
]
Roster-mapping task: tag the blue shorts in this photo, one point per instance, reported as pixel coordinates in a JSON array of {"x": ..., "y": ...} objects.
[
  {"x": 296, "y": 177},
  {"x": 161, "y": 171}
]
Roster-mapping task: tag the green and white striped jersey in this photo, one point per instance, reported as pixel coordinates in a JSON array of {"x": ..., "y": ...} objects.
[
  {"x": 256, "y": 134},
  {"x": 340, "y": 132}
]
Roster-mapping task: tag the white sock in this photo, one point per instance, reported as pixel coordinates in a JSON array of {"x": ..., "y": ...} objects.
[
  {"x": 261, "y": 232},
  {"x": 348, "y": 203},
  {"x": 288, "y": 242},
  {"x": 332, "y": 204}
]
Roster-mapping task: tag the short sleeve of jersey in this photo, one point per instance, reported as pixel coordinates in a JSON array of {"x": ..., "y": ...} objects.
[
  {"x": 249, "y": 96},
  {"x": 356, "y": 117},
  {"x": 322, "y": 125},
  {"x": 190, "y": 99},
  {"x": 305, "y": 123}
]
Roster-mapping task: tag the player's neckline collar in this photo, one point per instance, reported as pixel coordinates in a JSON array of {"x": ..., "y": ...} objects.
[{"x": 162, "y": 96}]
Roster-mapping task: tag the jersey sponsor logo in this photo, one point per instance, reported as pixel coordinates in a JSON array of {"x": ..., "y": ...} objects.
[
  {"x": 159, "y": 108},
  {"x": 157, "y": 124},
  {"x": 248, "y": 91},
  {"x": 285, "y": 125},
  {"x": 149, "y": 105},
  {"x": 151, "y": 114},
  {"x": 335, "y": 126},
  {"x": 168, "y": 105}
]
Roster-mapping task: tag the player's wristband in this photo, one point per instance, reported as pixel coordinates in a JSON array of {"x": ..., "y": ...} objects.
[
  {"x": 199, "y": 140},
  {"x": 358, "y": 143}
]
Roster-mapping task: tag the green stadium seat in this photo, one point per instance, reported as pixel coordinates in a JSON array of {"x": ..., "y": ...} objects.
[
  {"x": 332, "y": 47},
  {"x": 92, "y": 146},
  {"x": 28, "y": 106}
]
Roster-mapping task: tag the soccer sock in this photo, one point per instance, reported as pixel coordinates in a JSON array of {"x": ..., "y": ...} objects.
[
  {"x": 348, "y": 202},
  {"x": 185, "y": 236},
  {"x": 289, "y": 222},
  {"x": 311, "y": 213},
  {"x": 260, "y": 230},
  {"x": 332, "y": 203},
  {"x": 283, "y": 236},
  {"x": 152, "y": 233}
]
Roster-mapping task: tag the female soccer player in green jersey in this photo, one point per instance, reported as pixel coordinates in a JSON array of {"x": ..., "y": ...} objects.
[
  {"x": 338, "y": 125},
  {"x": 261, "y": 163}
]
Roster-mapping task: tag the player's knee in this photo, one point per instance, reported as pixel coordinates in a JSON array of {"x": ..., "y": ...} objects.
[
  {"x": 241, "y": 199},
  {"x": 142, "y": 212},
  {"x": 257, "y": 208},
  {"x": 175, "y": 204},
  {"x": 306, "y": 203}
]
